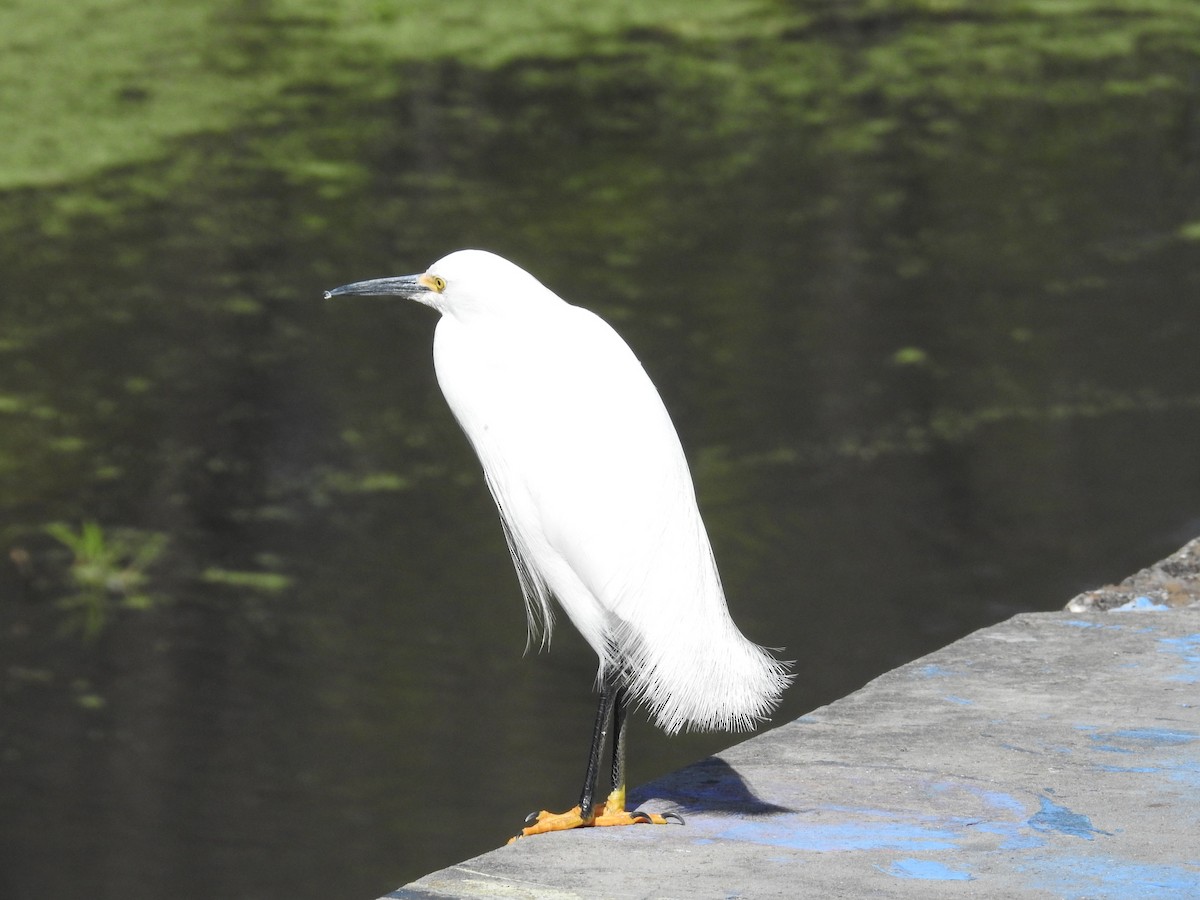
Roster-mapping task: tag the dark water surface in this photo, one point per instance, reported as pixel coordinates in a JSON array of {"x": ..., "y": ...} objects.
[{"x": 920, "y": 293}]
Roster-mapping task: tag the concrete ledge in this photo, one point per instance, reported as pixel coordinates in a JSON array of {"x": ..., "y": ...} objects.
[{"x": 1053, "y": 755}]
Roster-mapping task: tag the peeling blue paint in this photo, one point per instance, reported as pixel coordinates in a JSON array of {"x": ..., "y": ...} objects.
[
  {"x": 1014, "y": 747},
  {"x": 1107, "y": 878},
  {"x": 1188, "y": 775},
  {"x": 1002, "y": 815},
  {"x": 788, "y": 831},
  {"x": 1157, "y": 748},
  {"x": 833, "y": 828},
  {"x": 1156, "y": 735},
  {"x": 1020, "y": 841},
  {"x": 1138, "y": 770},
  {"x": 932, "y": 671},
  {"x": 1187, "y": 648},
  {"x": 1000, "y": 800},
  {"x": 1187, "y": 643},
  {"x": 1015, "y": 835},
  {"x": 1142, "y": 604},
  {"x": 1137, "y": 740},
  {"x": 1053, "y": 817},
  {"x": 1014, "y": 831},
  {"x": 926, "y": 870}
]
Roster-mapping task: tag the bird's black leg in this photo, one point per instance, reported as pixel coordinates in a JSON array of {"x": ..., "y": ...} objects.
[
  {"x": 587, "y": 799},
  {"x": 620, "y": 712},
  {"x": 616, "y": 797},
  {"x": 612, "y": 710}
]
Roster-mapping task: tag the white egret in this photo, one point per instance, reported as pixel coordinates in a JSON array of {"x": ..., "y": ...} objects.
[{"x": 597, "y": 505}]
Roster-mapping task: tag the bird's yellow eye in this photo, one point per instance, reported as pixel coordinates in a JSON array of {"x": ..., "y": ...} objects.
[{"x": 433, "y": 282}]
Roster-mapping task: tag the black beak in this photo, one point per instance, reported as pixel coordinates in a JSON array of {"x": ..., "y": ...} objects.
[{"x": 407, "y": 286}]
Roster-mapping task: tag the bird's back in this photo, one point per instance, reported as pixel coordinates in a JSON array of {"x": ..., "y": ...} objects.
[{"x": 599, "y": 509}]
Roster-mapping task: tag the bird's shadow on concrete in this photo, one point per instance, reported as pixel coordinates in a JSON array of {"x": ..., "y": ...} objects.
[{"x": 710, "y": 785}]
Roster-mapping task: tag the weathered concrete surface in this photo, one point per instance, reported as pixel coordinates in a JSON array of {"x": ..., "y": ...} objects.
[{"x": 1053, "y": 755}]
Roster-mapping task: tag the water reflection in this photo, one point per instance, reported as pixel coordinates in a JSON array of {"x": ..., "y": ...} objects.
[{"x": 926, "y": 334}]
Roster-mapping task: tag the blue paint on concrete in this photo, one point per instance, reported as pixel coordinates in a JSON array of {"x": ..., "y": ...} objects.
[
  {"x": 1139, "y": 740},
  {"x": 1022, "y": 841},
  {"x": 790, "y": 831},
  {"x": 1161, "y": 751},
  {"x": 833, "y": 828},
  {"x": 1015, "y": 835},
  {"x": 1014, "y": 747},
  {"x": 1155, "y": 736},
  {"x": 1187, "y": 648},
  {"x": 1188, "y": 776},
  {"x": 960, "y": 701},
  {"x": 1142, "y": 604},
  {"x": 1013, "y": 830},
  {"x": 1136, "y": 770},
  {"x": 1002, "y": 815},
  {"x": 1189, "y": 643},
  {"x": 1084, "y": 623},
  {"x": 925, "y": 869},
  {"x": 1053, "y": 817},
  {"x": 932, "y": 671},
  {"x": 1001, "y": 800},
  {"x": 1107, "y": 878}
]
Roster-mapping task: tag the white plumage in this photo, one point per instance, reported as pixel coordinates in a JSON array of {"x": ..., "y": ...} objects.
[{"x": 594, "y": 493}]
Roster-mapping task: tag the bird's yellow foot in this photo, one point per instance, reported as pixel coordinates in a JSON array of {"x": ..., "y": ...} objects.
[
  {"x": 611, "y": 812},
  {"x": 635, "y": 817}
]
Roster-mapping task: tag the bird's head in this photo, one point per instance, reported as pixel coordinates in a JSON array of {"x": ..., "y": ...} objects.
[{"x": 463, "y": 283}]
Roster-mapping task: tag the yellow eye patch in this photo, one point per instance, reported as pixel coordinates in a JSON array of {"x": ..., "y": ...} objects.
[{"x": 433, "y": 282}]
